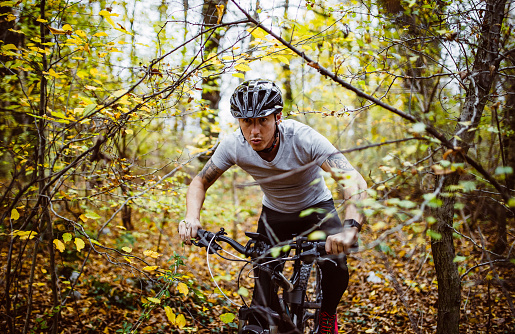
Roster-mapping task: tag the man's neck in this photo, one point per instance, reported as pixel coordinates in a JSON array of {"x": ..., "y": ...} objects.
[{"x": 271, "y": 155}]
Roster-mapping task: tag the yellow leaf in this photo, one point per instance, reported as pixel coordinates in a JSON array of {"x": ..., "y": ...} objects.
[
  {"x": 93, "y": 71},
  {"x": 81, "y": 33},
  {"x": 56, "y": 31},
  {"x": 127, "y": 249},
  {"x": 220, "y": 12},
  {"x": 378, "y": 226},
  {"x": 107, "y": 17},
  {"x": 183, "y": 288},
  {"x": 180, "y": 321},
  {"x": 24, "y": 235},
  {"x": 239, "y": 75},
  {"x": 258, "y": 33},
  {"x": 154, "y": 300},
  {"x": 83, "y": 218},
  {"x": 150, "y": 268},
  {"x": 242, "y": 67},
  {"x": 169, "y": 314},
  {"x": 53, "y": 73},
  {"x": 67, "y": 27},
  {"x": 100, "y": 34},
  {"x": 79, "y": 243},
  {"x": 128, "y": 259},
  {"x": 151, "y": 254},
  {"x": 59, "y": 245},
  {"x": 283, "y": 59},
  {"x": 42, "y": 20},
  {"x": 14, "y": 214},
  {"x": 129, "y": 131}
]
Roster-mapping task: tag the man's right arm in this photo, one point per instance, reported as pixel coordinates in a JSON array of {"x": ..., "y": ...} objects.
[{"x": 195, "y": 199}]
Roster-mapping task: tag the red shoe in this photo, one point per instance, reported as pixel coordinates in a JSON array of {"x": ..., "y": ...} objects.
[{"x": 328, "y": 323}]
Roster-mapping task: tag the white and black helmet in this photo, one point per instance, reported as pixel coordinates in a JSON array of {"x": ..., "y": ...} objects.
[{"x": 256, "y": 98}]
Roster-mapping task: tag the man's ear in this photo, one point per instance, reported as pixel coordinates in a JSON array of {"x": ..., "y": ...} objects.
[{"x": 278, "y": 116}]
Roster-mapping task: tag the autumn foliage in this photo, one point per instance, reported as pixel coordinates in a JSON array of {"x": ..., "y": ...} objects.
[{"x": 109, "y": 109}]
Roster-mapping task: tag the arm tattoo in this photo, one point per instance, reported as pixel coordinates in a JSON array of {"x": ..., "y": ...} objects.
[
  {"x": 210, "y": 172},
  {"x": 338, "y": 161}
]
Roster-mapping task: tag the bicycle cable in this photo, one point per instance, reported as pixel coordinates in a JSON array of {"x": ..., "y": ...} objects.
[
  {"x": 237, "y": 258},
  {"x": 213, "y": 278}
]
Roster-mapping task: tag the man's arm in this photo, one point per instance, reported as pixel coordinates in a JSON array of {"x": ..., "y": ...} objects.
[
  {"x": 195, "y": 199},
  {"x": 354, "y": 186}
]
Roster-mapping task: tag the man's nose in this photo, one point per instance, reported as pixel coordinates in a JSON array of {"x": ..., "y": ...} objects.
[{"x": 255, "y": 127}]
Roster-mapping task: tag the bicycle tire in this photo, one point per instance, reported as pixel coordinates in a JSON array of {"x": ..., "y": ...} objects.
[{"x": 312, "y": 301}]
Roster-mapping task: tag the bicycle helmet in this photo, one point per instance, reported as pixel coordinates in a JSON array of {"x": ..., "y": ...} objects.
[{"x": 256, "y": 98}]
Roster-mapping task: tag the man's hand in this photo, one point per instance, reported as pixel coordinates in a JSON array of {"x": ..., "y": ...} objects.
[
  {"x": 341, "y": 242},
  {"x": 188, "y": 229}
]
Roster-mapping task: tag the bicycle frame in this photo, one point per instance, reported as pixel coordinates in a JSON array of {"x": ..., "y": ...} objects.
[{"x": 293, "y": 301}]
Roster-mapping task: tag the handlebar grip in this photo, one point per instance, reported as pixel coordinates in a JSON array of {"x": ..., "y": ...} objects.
[{"x": 206, "y": 240}]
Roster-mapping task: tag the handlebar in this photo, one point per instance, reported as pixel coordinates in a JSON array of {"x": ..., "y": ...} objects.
[{"x": 258, "y": 245}]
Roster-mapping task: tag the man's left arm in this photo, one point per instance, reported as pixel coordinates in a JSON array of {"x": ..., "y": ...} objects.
[{"x": 354, "y": 190}]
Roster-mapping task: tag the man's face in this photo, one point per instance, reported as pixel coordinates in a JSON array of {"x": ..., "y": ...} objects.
[{"x": 259, "y": 132}]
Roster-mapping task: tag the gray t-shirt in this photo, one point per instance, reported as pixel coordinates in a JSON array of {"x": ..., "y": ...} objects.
[{"x": 299, "y": 145}]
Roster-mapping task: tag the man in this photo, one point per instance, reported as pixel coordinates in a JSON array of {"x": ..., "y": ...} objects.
[{"x": 265, "y": 147}]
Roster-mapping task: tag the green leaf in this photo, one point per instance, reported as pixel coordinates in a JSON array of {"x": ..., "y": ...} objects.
[
  {"x": 275, "y": 251},
  {"x": 445, "y": 163},
  {"x": 503, "y": 170},
  {"x": 468, "y": 185},
  {"x": 91, "y": 215},
  {"x": 242, "y": 291},
  {"x": 309, "y": 211},
  {"x": 459, "y": 258},
  {"x": 227, "y": 317},
  {"x": 317, "y": 235},
  {"x": 407, "y": 204},
  {"x": 67, "y": 237},
  {"x": 89, "y": 108},
  {"x": 434, "y": 235},
  {"x": 418, "y": 127}
]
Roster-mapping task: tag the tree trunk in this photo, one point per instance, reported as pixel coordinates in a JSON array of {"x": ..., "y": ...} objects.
[{"x": 480, "y": 81}]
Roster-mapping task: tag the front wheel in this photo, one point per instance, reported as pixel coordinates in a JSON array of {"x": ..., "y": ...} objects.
[
  {"x": 254, "y": 329},
  {"x": 312, "y": 301}
]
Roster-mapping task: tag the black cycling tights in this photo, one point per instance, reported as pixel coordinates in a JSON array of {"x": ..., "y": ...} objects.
[{"x": 286, "y": 225}]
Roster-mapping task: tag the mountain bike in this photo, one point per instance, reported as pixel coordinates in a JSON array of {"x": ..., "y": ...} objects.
[{"x": 301, "y": 296}]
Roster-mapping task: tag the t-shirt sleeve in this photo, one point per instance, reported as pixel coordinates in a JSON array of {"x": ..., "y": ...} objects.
[
  {"x": 321, "y": 147},
  {"x": 224, "y": 156}
]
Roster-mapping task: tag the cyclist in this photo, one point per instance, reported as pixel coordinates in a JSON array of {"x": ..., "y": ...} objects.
[{"x": 266, "y": 146}]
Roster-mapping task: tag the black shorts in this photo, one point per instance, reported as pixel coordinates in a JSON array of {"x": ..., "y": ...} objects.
[{"x": 322, "y": 217}]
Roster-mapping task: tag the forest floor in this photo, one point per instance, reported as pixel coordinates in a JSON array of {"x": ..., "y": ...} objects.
[{"x": 390, "y": 291}]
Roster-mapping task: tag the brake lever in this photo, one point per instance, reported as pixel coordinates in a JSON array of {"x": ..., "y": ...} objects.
[{"x": 211, "y": 247}]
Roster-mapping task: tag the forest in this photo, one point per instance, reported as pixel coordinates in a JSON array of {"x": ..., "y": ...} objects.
[{"x": 110, "y": 108}]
